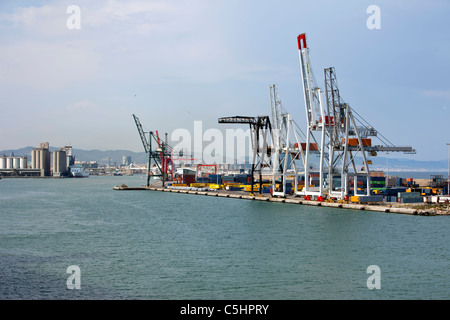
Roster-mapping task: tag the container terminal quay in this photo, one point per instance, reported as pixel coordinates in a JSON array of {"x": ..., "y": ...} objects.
[
  {"x": 414, "y": 197},
  {"x": 325, "y": 161},
  {"x": 315, "y": 163}
]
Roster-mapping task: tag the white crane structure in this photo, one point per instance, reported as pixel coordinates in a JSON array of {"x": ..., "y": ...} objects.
[
  {"x": 316, "y": 119},
  {"x": 286, "y": 145},
  {"x": 342, "y": 138},
  {"x": 334, "y": 132}
]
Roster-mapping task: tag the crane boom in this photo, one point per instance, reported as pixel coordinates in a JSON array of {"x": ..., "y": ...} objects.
[
  {"x": 142, "y": 134},
  {"x": 311, "y": 90}
]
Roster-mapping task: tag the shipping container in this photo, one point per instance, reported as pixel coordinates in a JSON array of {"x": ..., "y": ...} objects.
[
  {"x": 312, "y": 146},
  {"x": 408, "y": 194},
  {"x": 248, "y": 188},
  {"x": 376, "y": 173},
  {"x": 410, "y": 200},
  {"x": 372, "y": 198},
  {"x": 266, "y": 190},
  {"x": 198, "y": 185},
  {"x": 187, "y": 178},
  {"x": 390, "y": 199},
  {"x": 234, "y": 188},
  {"x": 353, "y": 142}
]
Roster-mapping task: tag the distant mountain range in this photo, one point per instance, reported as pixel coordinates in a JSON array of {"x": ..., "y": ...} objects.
[
  {"x": 115, "y": 156},
  {"x": 399, "y": 164}
]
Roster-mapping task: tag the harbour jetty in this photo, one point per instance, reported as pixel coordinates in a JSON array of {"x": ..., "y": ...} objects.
[{"x": 400, "y": 208}]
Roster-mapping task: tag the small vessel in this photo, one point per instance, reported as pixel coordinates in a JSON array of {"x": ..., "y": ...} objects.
[{"x": 78, "y": 172}]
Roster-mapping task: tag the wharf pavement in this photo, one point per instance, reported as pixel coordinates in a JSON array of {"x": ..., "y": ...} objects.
[{"x": 389, "y": 207}]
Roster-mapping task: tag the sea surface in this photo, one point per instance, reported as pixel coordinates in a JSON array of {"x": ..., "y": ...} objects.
[{"x": 159, "y": 245}]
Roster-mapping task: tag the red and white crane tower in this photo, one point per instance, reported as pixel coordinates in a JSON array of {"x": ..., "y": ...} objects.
[{"x": 343, "y": 134}]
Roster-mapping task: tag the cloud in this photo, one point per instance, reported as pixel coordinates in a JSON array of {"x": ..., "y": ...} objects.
[
  {"x": 122, "y": 41},
  {"x": 44, "y": 21},
  {"x": 82, "y": 106},
  {"x": 445, "y": 94},
  {"x": 46, "y": 65},
  {"x": 159, "y": 40},
  {"x": 113, "y": 11}
]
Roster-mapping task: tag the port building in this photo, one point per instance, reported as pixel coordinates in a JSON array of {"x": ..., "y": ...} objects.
[
  {"x": 40, "y": 159},
  {"x": 126, "y": 160},
  {"x": 16, "y": 166},
  {"x": 40, "y": 163},
  {"x": 60, "y": 162}
]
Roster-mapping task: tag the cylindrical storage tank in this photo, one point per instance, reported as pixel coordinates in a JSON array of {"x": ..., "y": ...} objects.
[
  {"x": 38, "y": 159},
  {"x": 2, "y": 163},
  {"x": 9, "y": 163},
  {"x": 23, "y": 162},
  {"x": 16, "y": 163},
  {"x": 58, "y": 161},
  {"x": 33, "y": 159}
]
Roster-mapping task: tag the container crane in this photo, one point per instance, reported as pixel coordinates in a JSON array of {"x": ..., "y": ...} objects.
[
  {"x": 316, "y": 118},
  {"x": 286, "y": 145},
  {"x": 344, "y": 133}
]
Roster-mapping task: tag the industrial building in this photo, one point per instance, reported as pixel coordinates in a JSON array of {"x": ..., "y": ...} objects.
[
  {"x": 40, "y": 159},
  {"x": 13, "y": 162},
  {"x": 126, "y": 160},
  {"x": 43, "y": 163},
  {"x": 59, "y": 162},
  {"x": 16, "y": 166}
]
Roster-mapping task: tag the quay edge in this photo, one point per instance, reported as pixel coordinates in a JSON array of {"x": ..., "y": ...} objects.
[{"x": 341, "y": 205}]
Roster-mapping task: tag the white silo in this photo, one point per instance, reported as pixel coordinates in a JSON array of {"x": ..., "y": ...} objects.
[
  {"x": 16, "y": 162},
  {"x": 3, "y": 163},
  {"x": 33, "y": 159},
  {"x": 23, "y": 162},
  {"x": 9, "y": 162},
  {"x": 36, "y": 158}
]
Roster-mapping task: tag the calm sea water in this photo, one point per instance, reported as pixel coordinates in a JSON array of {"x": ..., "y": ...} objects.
[{"x": 158, "y": 245}]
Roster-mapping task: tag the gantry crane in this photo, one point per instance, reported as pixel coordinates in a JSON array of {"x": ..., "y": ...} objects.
[
  {"x": 261, "y": 130},
  {"x": 344, "y": 133},
  {"x": 286, "y": 148},
  {"x": 316, "y": 118}
]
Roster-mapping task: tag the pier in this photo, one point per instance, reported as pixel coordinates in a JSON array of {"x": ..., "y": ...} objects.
[{"x": 379, "y": 207}]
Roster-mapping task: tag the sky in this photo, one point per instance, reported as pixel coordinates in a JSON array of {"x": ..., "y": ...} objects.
[{"x": 174, "y": 62}]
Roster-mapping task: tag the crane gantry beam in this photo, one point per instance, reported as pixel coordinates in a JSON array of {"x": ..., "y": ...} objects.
[{"x": 261, "y": 130}]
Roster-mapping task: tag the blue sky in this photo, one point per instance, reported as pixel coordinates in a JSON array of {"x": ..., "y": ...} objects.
[{"x": 174, "y": 62}]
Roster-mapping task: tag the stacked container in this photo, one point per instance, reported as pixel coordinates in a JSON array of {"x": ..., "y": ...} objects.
[
  {"x": 377, "y": 182},
  {"x": 409, "y": 197},
  {"x": 215, "y": 178}
]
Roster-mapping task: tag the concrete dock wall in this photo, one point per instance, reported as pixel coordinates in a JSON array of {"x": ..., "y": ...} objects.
[{"x": 298, "y": 201}]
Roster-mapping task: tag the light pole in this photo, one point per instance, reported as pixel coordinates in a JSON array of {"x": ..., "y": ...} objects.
[
  {"x": 387, "y": 174},
  {"x": 448, "y": 174}
]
